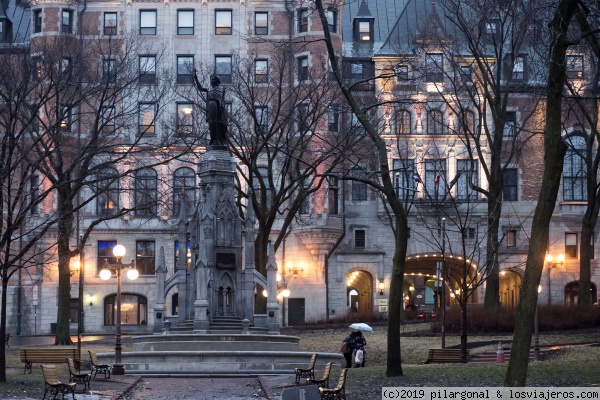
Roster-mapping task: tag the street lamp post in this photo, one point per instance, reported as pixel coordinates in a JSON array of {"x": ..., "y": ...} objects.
[
  {"x": 132, "y": 274},
  {"x": 443, "y": 283},
  {"x": 536, "y": 328}
]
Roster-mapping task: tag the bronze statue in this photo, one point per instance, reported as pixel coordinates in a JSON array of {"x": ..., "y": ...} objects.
[{"x": 216, "y": 113}]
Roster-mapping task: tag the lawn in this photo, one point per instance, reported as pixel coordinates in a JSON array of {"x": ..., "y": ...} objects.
[{"x": 569, "y": 366}]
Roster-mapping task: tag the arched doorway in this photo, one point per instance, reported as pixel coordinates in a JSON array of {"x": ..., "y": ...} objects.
[
  {"x": 572, "y": 293},
  {"x": 510, "y": 287},
  {"x": 359, "y": 292},
  {"x": 225, "y": 296}
]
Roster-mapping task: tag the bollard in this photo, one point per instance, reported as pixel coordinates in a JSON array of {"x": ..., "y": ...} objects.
[{"x": 500, "y": 353}]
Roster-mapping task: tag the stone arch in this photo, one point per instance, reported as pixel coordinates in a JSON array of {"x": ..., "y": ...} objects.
[
  {"x": 511, "y": 280},
  {"x": 359, "y": 290},
  {"x": 225, "y": 292}
]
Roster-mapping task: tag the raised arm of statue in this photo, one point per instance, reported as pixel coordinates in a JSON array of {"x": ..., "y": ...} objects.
[{"x": 197, "y": 82}]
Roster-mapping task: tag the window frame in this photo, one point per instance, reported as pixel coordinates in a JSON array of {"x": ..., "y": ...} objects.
[
  {"x": 360, "y": 239},
  {"x": 107, "y": 122},
  {"x": 104, "y": 252},
  {"x": 359, "y": 30},
  {"x": 467, "y": 175},
  {"x": 152, "y": 27},
  {"x": 184, "y": 179},
  {"x": 37, "y": 21},
  {"x": 333, "y": 195},
  {"x": 107, "y": 192},
  {"x": 66, "y": 122},
  {"x": 140, "y": 308},
  {"x": 333, "y": 118},
  {"x": 260, "y": 30},
  {"x": 261, "y": 113},
  {"x": 434, "y": 67},
  {"x": 359, "y": 189},
  {"x": 145, "y": 263},
  {"x": 221, "y": 17},
  {"x": 302, "y": 68},
  {"x": 68, "y": 27},
  {"x": 574, "y": 174},
  {"x": 511, "y": 238},
  {"x": 401, "y": 72},
  {"x": 261, "y": 75},
  {"x": 109, "y": 69},
  {"x": 510, "y": 125},
  {"x": 303, "y": 18},
  {"x": 108, "y": 28},
  {"x": 185, "y": 120},
  {"x": 332, "y": 20},
  {"x": 512, "y": 183},
  {"x": 433, "y": 168},
  {"x": 225, "y": 78},
  {"x": 435, "y": 122},
  {"x": 403, "y": 178},
  {"x": 146, "y": 130},
  {"x": 146, "y": 192},
  {"x": 401, "y": 126},
  {"x": 571, "y": 250},
  {"x": 185, "y": 29},
  {"x": 577, "y": 72},
  {"x": 518, "y": 68},
  {"x": 146, "y": 78},
  {"x": 185, "y": 66}
]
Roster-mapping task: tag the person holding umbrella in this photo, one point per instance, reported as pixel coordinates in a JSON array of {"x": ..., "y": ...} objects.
[
  {"x": 358, "y": 344},
  {"x": 347, "y": 349}
]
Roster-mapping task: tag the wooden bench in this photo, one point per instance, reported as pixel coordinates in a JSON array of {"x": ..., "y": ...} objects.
[
  {"x": 338, "y": 392},
  {"x": 76, "y": 376},
  {"x": 324, "y": 381},
  {"x": 6, "y": 337},
  {"x": 54, "y": 385},
  {"x": 54, "y": 355},
  {"x": 444, "y": 356},
  {"x": 306, "y": 372},
  {"x": 102, "y": 368}
]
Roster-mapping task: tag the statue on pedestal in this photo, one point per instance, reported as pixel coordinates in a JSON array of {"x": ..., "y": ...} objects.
[{"x": 216, "y": 113}]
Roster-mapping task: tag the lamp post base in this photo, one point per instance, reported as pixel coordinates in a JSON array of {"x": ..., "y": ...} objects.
[{"x": 118, "y": 369}]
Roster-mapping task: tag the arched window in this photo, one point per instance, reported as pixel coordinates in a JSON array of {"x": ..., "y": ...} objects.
[
  {"x": 435, "y": 121},
  {"x": 184, "y": 181},
  {"x": 146, "y": 192},
  {"x": 107, "y": 189},
  {"x": 134, "y": 309},
  {"x": 467, "y": 123},
  {"x": 403, "y": 124},
  {"x": 572, "y": 293},
  {"x": 574, "y": 170}
]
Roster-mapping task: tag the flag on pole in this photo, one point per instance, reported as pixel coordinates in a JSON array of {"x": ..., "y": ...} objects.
[
  {"x": 416, "y": 178},
  {"x": 455, "y": 179},
  {"x": 436, "y": 181}
]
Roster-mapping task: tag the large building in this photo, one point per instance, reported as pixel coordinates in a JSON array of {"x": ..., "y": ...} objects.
[{"x": 336, "y": 257}]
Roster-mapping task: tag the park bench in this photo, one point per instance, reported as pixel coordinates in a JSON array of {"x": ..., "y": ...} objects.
[
  {"x": 6, "y": 337},
  {"x": 54, "y": 355},
  {"x": 324, "y": 381},
  {"x": 54, "y": 385},
  {"x": 96, "y": 367},
  {"x": 78, "y": 377},
  {"x": 306, "y": 372},
  {"x": 444, "y": 356},
  {"x": 338, "y": 392}
]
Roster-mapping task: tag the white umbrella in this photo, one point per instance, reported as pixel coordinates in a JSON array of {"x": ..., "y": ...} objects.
[{"x": 359, "y": 326}]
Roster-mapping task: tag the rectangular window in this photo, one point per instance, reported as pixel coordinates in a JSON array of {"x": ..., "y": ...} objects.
[
  {"x": 465, "y": 73},
  {"x": 302, "y": 20},
  {"x": 404, "y": 178},
  {"x": 333, "y": 118},
  {"x": 262, "y": 120},
  {"x": 302, "y": 68},
  {"x": 67, "y": 21},
  {"x": 147, "y": 22},
  {"x": 519, "y": 69},
  {"x": 109, "y": 70},
  {"x": 185, "y": 119},
  {"x": 148, "y": 70},
  {"x": 575, "y": 170},
  {"x": 359, "y": 189},
  {"x": 188, "y": 255},
  {"x": 261, "y": 71},
  {"x": 110, "y": 23},
  {"x": 34, "y": 191},
  {"x": 303, "y": 122},
  {"x": 511, "y": 238},
  {"x": 185, "y": 22},
  {"x": 333, "y": 195},
  {"x": 363, "y": 29},
  {"x": 144, "y": 257},
  {"x": 223, "y": 22},
  {"x": 510, "y": 191},
  {"x": 65, "y": 65},
  {"x": 261, "y": 23},
  {"x": 468, "y": 233},
  {"x": 575, "y": 67},
  {"x": 107, "y": 121},
  {"x": 146, "y": 118},
  {"x": 356, "y": 127},
  {"x": 466, "y": 174},
  {"x": 434, "y": 67},
  {"x": 37, "y": 21},
  {"x": 332, "y": 20},
  {"x": 510, "y": 125},
  {"x": 571, "y": 245},
  {"x": 305, "y": 206},
  {"x": 107, "y": 192},
  {"x": 435, "y": 179},
  {"x": 401, "y": 73},
  {"x": 185, "y": 66},
  {"x": 403, "y": 122},
  {"x": 105, "y": 253},
  {"x": 358, "y": 71},
  {"x": 492, "y": 31},
  {"x": 223, "y": 68},
  {"x": 360, "y": 239}
]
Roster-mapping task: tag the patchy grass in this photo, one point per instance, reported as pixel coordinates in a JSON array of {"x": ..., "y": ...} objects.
[{"x": 569, "y": 366}]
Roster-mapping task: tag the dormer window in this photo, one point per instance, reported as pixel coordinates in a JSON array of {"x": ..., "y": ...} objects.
[
  {"x": 434, "y": 67},
  {"x": 363, "y": 30},
  {"x": 575, "y": 67}
]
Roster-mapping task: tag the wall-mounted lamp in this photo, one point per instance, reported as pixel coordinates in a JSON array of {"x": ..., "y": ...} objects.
[
  {"x": 560, "y": 259},
  {"x": 295, "y": 270},
  {"x": 75, "y": 267},
  {"x": 91, "y": 300},
  {"x": 381, "y": 287}
]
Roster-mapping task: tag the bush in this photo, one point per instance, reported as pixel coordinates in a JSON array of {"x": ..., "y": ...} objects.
[{"x": 550, "y": 318}]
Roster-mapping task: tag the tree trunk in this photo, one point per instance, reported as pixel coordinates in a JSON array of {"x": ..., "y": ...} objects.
[
  {"x": 394, "y": 359},
  {"x": 554, "y": 151},
  {"x": 3, "y": 325},
  {"x": 492, "y": 279},
  {"x": 585, "y": 280},
  {"x": 463, "y": 332},
  {"x": 65, "y": 230}
]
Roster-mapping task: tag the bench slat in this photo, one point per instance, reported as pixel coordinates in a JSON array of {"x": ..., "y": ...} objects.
[{"x": 55, "y": 355}]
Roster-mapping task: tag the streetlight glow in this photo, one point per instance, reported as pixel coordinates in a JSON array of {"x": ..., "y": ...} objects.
[{"x": 119, "y": 251}]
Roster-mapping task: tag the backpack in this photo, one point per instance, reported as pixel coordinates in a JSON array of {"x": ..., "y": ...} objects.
[{"x": 345, "y": 347}]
